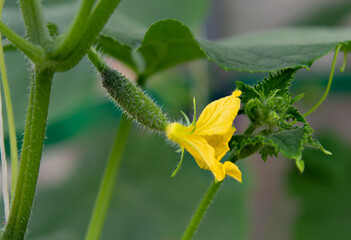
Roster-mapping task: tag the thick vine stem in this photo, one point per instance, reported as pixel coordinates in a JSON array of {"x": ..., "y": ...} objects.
[
  {"x": 34, "y": 20},
  {"x": 33, "y": 52},
  {"x": 108, "y": 181},
  {"x": 31, "y": 154},
  {"x": 71, "y": 38},
  {"x": 96, "y": 22},
  {"x": 201, "y": 210}
]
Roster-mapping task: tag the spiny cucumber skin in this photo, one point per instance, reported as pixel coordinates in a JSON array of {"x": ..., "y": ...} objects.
[{"x": 133, "y": 100}]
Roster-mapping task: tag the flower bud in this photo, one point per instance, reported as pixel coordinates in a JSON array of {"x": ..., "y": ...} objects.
[{"x": 253, "y": 110}]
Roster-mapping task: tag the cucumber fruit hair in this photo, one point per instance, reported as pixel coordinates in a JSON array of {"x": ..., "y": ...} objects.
[{"x": 131, "y": 98}]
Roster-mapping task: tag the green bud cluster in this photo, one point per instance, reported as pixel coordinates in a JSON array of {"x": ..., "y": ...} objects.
[
  {"x": 272, "y": 129},
  {"x": 133, "y": 100},
  {"x": 269, "y": 112}
]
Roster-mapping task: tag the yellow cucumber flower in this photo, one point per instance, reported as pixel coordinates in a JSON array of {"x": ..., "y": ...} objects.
[{"x": 207, "y": 139}]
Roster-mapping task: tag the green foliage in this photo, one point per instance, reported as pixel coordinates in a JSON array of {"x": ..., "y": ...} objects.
[
  {"x": 269, "y": 102},
  {"x": 267, "y": 51},
  {"x": 280, "y": 81},
  {"x": 142, "y": 203},
  {"x": 126, "y": 37},
  {"x": 323, "y": 192},
  {"x": 268, "y": 105},
  {"x": 166, "y": 43},
  {"x": 289, "y": 143}
]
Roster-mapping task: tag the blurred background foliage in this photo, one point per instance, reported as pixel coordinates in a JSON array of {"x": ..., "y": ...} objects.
[{"x": 274, "y": 201}]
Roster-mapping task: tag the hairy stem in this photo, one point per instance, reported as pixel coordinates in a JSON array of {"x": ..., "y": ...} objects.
[
  {"x": 75, "y": 31},
  {"x": 201, "y": 210},
  {"x": 34, "y": 21},
  {"x": 97, "y": 60},
  {"x": 31, "y": 154},
  {"x": 33, "y": 52},
  {"x": 108, "y": 182},
  {"x": 96, "y": 22}
]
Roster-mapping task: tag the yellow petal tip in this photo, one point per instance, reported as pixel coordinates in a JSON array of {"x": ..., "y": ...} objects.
[
  {"x": 236, "y": 93},
  {"x": 232, "y": 170}
]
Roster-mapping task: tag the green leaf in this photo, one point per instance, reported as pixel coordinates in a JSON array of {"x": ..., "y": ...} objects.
[
  {"x": 119, "y": 51},
  {"x": 168, "y": 43},
  {"x": 165, "y": 44},
  {"x": 126, "y": 32},
  {"x": 281, "y": 80},
  {"x": 272, "y": 50},
  {"x": 248, "y": 93},
  {"x": 289, "y": 143},
  {"x": 314, "y": 143},
  {"x": 294, "y": 114},
  {"x": 266, "y": 51},
  {"x": 300, "y": 165},
  {"x": 297, "y": 98}
]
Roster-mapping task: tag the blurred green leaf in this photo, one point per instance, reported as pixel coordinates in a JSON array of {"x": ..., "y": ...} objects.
[
  {"x": 170, "y": 42},
  {"x": 71, "y": 90},
  {"x": 192, "y": 13},
  {"x": 142, "y": 207},
  {"x": 141, "y": 12},
  {"x": 272, "y": 50},
  {"x": 329, "y": 13},
  {"x": 323, "y": 191}
]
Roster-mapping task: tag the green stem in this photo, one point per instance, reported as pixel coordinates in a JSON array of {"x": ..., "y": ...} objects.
[
  {"x": 10, "y": 119},
  {"x": 97, "y": 60},
  {"x": 250, "y": 129},
  {"x": 108, "y": 181},
  {"x": 96, "y": 22},
  {"x": 342, "y": 69},
  {"x": 328, "y": 86},
  {"x": 34, "y": 20},
  {"x": 11, "y": 122},
  {"x": 75, "y": 31},
  {"x": 33, "y": 52},
  {"x": 201, "y": 210},
  {"x": 31, "y": 154}
]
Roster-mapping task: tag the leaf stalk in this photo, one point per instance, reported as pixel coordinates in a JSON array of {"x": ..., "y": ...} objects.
[{"x": 108, "y": 182}]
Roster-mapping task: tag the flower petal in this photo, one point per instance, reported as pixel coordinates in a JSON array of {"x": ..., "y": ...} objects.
[
  {"x": 218, "y": 116},
  {"x": 220, "y": 143},
  {"x": 204, "y": 155},
  {"x": 232, "y": 170}
]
